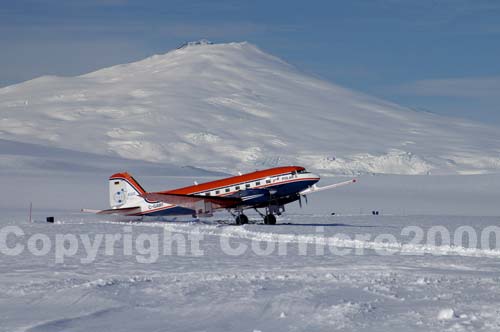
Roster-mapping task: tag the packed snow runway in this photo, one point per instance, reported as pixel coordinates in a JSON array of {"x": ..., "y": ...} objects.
[{"x": 310, "y": 273}]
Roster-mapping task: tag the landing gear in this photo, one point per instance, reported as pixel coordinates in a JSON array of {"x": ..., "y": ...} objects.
[
  {"x": 270, "y": 219},
  {"x": 241, "y": 219}
]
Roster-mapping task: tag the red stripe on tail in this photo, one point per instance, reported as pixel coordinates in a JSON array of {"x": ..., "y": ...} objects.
[{"x": 130, "y": 179}]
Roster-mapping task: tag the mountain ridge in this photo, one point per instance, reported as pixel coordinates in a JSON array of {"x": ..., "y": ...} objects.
[{"x": 227, "y": 107}]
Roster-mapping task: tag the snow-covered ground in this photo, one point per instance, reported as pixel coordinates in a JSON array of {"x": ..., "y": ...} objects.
[
  {"x": 314, "y": 272},
  {"x": 414, "y": 267}
]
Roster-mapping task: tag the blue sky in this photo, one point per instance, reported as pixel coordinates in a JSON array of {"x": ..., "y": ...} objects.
[{"x": 439, "y": 56}]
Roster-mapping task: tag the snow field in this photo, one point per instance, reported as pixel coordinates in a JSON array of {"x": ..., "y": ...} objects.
[{"x": 368, "y": 291}]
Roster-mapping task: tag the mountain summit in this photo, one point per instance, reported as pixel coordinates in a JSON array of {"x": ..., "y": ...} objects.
[{"x": 231, "y": 107}]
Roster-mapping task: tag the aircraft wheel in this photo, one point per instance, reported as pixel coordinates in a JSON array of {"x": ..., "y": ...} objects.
[
  {"x": 270, "y": 219},
  {"x": 241, "y": 219}
]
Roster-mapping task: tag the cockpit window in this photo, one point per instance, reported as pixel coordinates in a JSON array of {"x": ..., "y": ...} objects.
[{"x": 302, "y": 171}]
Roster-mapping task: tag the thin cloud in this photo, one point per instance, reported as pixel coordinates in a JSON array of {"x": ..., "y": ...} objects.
[
  {"x": 221, "y": 30},
  {"x": 237, "y": 30},
  {"x": 452, "y": 87}
]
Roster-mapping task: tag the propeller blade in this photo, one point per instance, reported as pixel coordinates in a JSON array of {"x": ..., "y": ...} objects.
[
  {"x": 300, "y": 201},
  {"x": 305, "y": 196}
]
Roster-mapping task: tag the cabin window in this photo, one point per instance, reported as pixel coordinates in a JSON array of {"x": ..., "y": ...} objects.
[
  {"x": 237, "y": 188},
  {"x": 227, "y": 190},
  {"x": 247, "y": 185},
  {"x": 217, "y": 192},
  {"x": 257, "y": 183},
  {"x": 117, "y": 182},
  {"x": 207, "y": 194},
  {"x": 268, "y": 181}
]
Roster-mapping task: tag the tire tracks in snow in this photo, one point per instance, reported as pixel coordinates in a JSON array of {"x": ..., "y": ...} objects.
[{"x": 240, "y": 232}]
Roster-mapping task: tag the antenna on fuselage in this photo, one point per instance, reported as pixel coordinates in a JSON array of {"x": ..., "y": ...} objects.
[{"x": 195, "y": 183}]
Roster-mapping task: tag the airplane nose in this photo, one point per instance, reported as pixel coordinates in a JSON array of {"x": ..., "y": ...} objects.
[{"x": 315, "y": 177}]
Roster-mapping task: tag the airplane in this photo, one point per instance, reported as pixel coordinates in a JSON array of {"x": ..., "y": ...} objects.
[{"x": 269, "y": 189}]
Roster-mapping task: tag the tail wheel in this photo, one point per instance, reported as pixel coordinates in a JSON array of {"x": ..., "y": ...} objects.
[
  {"x": 241, "y": 219},
  {"x": 270, "y": 219}
]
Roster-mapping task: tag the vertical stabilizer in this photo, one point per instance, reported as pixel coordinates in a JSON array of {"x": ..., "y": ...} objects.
[{"x": 124, "y": 191}]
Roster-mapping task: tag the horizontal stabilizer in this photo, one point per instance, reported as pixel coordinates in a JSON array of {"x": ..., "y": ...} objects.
[
  {"x": 315, "y": 188},
  {"x": 124, "y": 211},
  {"x": 190, "y": 201}
]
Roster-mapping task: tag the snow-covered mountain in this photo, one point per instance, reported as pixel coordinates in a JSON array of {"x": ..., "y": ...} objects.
[{"x": 229, "y": 107}]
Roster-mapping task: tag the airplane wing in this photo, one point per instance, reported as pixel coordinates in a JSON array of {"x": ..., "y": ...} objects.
[
  {"x": 193, "y": 201},
  {"x": 124, "y": 211},
  {"x": 315, "y": 188}
]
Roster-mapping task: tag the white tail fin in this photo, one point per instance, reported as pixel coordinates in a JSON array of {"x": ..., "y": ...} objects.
[{"x": 124, "y": 191}]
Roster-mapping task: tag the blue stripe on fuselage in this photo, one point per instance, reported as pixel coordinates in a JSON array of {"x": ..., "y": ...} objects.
[
  {"x": 174, "y": 211},
  {"x": 292, "y": 187}
]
